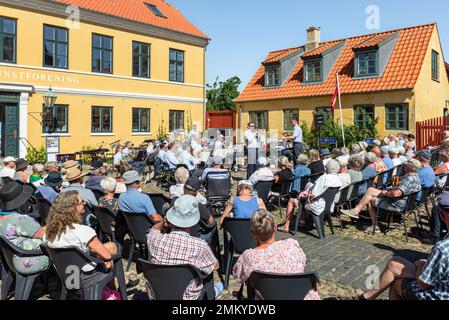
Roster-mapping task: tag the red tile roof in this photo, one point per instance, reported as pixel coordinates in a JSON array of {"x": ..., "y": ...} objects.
[
  {"x": 277, "y": 56},
  {"x": 402, "y": 71},
  {"x": 373, "y": 41},
  {"x": 136, "y": 10},
  {"x": 322, "y": 48}
]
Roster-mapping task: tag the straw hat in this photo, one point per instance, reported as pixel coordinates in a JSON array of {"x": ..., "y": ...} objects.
[
  {"x": 74, "y": 174},
  {"x": 69, "y": 165}
]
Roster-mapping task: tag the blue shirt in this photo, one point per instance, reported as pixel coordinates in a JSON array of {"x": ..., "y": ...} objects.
[
  {"x": 367, "y": 173},
  {"x": 388, "y": 162},
  {"x": 300, "y": 171},
  {"x": 48, "y": 193},
  {"x": 245, "y": 209},
  {"x": 427, "y": 177},
  {"x": 134, "y": 201}
]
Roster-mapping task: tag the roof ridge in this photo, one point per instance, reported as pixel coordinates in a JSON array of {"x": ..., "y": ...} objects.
[{"x": 363, "y": 35}]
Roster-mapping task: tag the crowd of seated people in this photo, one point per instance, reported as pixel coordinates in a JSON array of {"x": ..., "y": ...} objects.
[{"x": 183, "y": 233}]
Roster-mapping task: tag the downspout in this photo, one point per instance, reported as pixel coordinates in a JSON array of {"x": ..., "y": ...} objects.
[{"x": 204, "y": 87}]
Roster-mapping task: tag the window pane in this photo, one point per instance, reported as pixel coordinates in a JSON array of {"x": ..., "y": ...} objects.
[
  {"x": 172, "y": 55},
  {"x": 49, "y": 33},
  {"x": 96, "y": 41},
  {"x": 9, "y": 26},
  {"x": 49, "y": 47},
  {"x": 106, "y": 120},
  {"x": 180, "y": 56},
  {"x": 136, "y": 66},
  {"x": 62, "y": 50},
  {"x": 8, "y": 49},
  {"x": 95, "y": 120},
  {"x": 61, "y": 35},
  {"x": 96, "y": 61},
  {"x": 145, "y": 67},
  {"x": 135, "y": 48},
  {"x": 135, "y": 120},
  {"x": 145, "y": 121},
  {"x": 145, "y": 49},
  {"x": 107, "y": 43}
]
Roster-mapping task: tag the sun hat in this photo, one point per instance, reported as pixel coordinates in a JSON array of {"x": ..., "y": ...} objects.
[
  {"x": 414, "y": 164},
  {"x": 262, "y": 161},
  {"x": 425, "y": 154},
  {"x": 385, "y": 150},
  {"x": 69, "y": 165},
  {"x": 74, "y": 174},
  {"x": 96, "y": 165},
  {"x": 184, "y": 213},
  {"x": 245, "y": 183},
  {"x": 130, "y": 177},
  {"x": 193, "y": 184},
  {"x": 13, "y": 195},
  {"x": 371, "y": 157},
  {"x": 217, "y": 160},
  {"x": 9, "y": 159},
  {"x": 394, "y": 150},
  {"x": 325, "y": 152},
  {"x": 343, "y": 161},
  {"x": 21, "y": 164},
  {"x": 54, "y": 179}
]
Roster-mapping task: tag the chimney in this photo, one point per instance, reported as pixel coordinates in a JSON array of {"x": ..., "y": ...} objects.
[{"x": 313, "y": 39}]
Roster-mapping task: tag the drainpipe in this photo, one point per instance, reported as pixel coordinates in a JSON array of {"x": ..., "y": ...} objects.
[{"x": 204, "y": 88}]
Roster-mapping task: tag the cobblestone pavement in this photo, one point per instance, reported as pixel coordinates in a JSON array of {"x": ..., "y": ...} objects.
[{"x": 344, "y": 261}]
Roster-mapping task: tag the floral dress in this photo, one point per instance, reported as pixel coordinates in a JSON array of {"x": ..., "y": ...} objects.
[
  {"x": 282, "y": 257},
  {"x": 20, "y": 230}
]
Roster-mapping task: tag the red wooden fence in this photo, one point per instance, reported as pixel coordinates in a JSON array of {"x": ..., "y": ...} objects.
[
  {"x": 430, "y": 132},
  {"x": 220, "y": 119}
]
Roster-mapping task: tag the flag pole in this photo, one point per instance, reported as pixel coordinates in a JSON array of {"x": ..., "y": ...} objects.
[{"x": 341, "y": 112}]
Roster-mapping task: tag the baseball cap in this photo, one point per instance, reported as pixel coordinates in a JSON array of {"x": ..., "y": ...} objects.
[
  {"x": 217, "y": 160},
  {"x": 9, "y": 159}
]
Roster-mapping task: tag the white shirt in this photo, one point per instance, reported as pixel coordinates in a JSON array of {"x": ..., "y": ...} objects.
[
  {"x": 118, "y": 158},
  {"x": 297, "y": 134},
  {"x": 7, "y": 172},
  {"x": 126, "y": 151},
  {"x": 345, "y": 182},
  {"x": 78, "y": 237},
  {"x": 251, "y": 139},
  {"x": 150, "y": 149},
  {"x": 263, "y": 174},
  {"x": 161, "y": 155},
  {"x": 171, "y": 160},
  {"x": 187, "y": 159},
  {"x": 321, "y": 185}
]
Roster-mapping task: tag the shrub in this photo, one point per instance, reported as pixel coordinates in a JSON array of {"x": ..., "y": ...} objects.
[
  {"x": 36, "y": 156},
  {"x": 331, "y": 129}
]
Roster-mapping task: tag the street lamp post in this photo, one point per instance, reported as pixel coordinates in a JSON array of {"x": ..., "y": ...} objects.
[{"x": 49, "y": 104}]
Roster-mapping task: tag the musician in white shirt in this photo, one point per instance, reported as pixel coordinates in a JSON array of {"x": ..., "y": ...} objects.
[
  {"x": 170, "y": 157},
  {"x": 186, "y": 157},
  {"x": 252, "y": 143},
  {"x": 118, "y": 156},
  {"x": 162, "y": 151}
]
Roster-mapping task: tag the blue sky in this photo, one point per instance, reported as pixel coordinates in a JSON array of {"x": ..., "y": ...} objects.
[{"x": 244, "y": 31}]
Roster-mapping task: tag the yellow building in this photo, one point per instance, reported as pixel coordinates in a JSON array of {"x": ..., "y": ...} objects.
[
  {"x": 397, "y": 76},
  {"x": 121, "y": 70}
]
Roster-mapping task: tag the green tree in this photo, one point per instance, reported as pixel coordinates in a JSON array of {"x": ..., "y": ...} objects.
[{"x": 221, "y": 95}]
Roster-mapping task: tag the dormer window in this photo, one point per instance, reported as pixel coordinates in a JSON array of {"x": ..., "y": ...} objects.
[
  {"x": 273, "y": 76},
  {"x": 313, "y": 71},
  {"x": 367, "y": 64}
]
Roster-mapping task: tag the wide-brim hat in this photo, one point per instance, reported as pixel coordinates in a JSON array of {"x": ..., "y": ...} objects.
[
  {"x": 54, "y": 179},
  {"x": 184, "y": 213},
  {"x": 21, "y": 164},
  {"x": 130, "y": 177},
  {"x": 69, "y": 165},
  {"x": 74, "y": 174},
  {"x": 13, "y": 195}
]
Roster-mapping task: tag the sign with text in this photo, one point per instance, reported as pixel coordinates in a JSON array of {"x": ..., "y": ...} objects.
[
  {"x": 328, "y": 141},
  {"x": 52, "y": 147}
]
